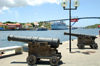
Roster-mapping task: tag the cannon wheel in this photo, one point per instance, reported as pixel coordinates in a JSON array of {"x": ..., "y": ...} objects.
[
  {"x": 54, "y": 61},
  {"x": 31, "y": 60},
  {"x": 80, "y": 46},
  {"x": 94, "y": 46}
]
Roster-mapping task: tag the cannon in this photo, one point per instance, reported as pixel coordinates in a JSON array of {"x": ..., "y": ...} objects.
[
  {"x": 40, "y": 48},
  {"x": 84, "y": 40}
]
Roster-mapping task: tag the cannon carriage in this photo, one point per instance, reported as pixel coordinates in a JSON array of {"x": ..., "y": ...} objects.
[
  {"x": 40, "y": 48},
  {"x": 84, "y": 40}
]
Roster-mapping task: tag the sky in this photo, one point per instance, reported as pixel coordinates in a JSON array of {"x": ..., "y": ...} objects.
[{"x": 43, "y": 10}]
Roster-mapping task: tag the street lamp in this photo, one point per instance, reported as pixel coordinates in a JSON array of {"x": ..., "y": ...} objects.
[{"x": 64, "y": 5}]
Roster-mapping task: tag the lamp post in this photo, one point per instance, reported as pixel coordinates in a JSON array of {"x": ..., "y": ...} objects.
[{"x": 64, "y": 4}]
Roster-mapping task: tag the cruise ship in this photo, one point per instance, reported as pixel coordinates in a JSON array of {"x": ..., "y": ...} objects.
[{"x": 59, "y": 26}]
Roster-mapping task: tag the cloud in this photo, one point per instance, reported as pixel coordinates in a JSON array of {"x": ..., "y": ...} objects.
[{"x": 6, "y": 4}]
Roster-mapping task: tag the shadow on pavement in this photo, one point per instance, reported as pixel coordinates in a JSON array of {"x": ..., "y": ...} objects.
[
  {"x": 84, "y": 52},
  {"x": 47, "y": 63},
  {"x": 5, "y": 56},
  {"x": 38, "y": 63},
  {"x": 81, "y": 49},
  {"x": 16, "y": 62}
]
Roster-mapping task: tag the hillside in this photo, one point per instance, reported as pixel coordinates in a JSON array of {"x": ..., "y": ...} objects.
[{"x": 93, "y": 26}]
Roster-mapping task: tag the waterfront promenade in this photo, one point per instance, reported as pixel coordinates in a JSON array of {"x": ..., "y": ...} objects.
[{"x": 78, "y": 57}]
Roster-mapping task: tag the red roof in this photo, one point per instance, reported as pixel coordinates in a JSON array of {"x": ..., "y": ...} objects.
[
  {"x": 28, "y": 24},
  {"x": 2, "y": 24},
  {"x": 12, "y": 24}
]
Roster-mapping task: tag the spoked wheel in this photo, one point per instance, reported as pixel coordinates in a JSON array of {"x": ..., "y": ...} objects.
[
  {"x": 80, "y": 46},
  {"x": 94, "y": 46},
  {"x": 54, "y": 61},
  {"x": 31, "y": 60}
]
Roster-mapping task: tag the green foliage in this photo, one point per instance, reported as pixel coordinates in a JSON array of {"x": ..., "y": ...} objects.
[
  {"x": 40, "y": 24},
  {"x": 22, "y": 23},
  {"x": 45, "y": 24},
  {"x": 10, "y": 22},
  {"x": 48, "y": 25},
  {"x": 93, "y": 26},
  {"x": 33, "y": 24}
]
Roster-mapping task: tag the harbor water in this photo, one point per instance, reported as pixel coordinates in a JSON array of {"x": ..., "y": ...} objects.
[{"x": 49, "y": 34}]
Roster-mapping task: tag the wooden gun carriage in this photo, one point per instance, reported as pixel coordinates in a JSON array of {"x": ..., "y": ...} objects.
[
  {"x": 40, "y": 48},
  {"x": 84, "y": 40}
]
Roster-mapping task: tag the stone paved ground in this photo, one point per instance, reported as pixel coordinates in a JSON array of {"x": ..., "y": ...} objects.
[{"x": 86, "y": 57}]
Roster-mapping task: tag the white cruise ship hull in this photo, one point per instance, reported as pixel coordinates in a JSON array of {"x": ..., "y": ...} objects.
[{"x": 59, "y": 26}]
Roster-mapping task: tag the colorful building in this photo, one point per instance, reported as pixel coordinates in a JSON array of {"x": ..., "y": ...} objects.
[
  {"x": 2, "y": 26},
  {"x": 27, "y": 26},
  {"x": 17, "y": 26},
  {"x": 13, "y": 26}
]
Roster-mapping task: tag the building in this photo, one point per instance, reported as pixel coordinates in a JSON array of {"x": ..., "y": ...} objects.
[
  {"x": 2, "y": 26},
  {"x": 36, "y": 23},
  {"x": 14, "y": 26},
  {"x": 27, "y": 26}
]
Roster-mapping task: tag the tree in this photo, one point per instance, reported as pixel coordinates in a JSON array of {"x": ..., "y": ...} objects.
[
  {"x": 10, "y": 22},
  {"x": 33, "y": 24}
]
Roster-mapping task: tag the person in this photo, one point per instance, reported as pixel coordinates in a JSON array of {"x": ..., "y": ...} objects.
[{"x": 99, "y": 33}]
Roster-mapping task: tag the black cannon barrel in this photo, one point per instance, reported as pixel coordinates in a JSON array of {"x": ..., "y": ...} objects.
[
  {"x": 53, "y": 42},
  {"x": 77, "y": 35}
]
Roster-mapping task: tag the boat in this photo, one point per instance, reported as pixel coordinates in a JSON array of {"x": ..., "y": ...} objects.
[
  {"x": 59, "y": 26},
  {"x": 73, "y": 28},
  {"x": 41, "y": 29},
  {"x": 1, "y": 28}
]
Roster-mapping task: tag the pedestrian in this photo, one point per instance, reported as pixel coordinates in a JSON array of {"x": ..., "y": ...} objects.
[{"x": 99, "y": 33}]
